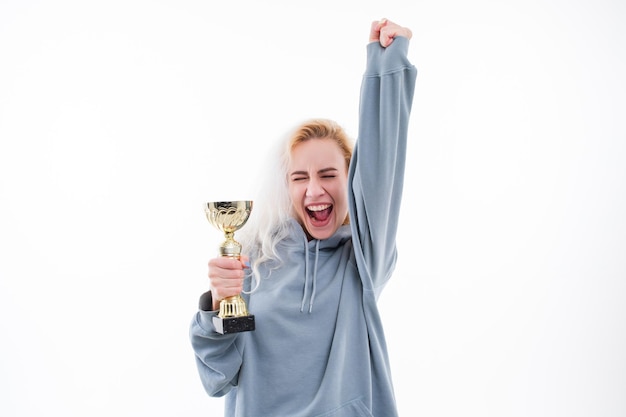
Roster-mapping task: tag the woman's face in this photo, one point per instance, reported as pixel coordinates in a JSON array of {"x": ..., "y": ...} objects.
[{"x": 318, "y": 179}]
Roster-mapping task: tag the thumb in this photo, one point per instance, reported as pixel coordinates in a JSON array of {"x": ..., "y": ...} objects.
[{"x": 245, "y": 261}]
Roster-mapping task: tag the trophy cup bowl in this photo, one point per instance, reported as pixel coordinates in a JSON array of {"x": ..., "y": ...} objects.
[{"x": 230, "y": 216}]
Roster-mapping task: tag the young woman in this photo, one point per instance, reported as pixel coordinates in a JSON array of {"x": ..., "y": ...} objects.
[{"x": 321, "y": 252}]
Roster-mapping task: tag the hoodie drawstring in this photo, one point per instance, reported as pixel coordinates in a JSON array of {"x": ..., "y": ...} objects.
[{"x": 306, "y": 274}]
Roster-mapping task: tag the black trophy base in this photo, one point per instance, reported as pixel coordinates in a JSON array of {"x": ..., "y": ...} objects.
[{"x": 233, "y": 324}]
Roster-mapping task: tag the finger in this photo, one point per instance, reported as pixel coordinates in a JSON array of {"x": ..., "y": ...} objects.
[
  {"x": 388, "y": 33},
  {"x": 225, "y": 287},
  {"x": 224, "y": 273},
  {"x": 245, "y": 261},
  {"x": 386, "y": 39},
  {"x": 232, "y": 286},
  {"x": 225, "y": 269},
  {"x": 375, "y": 29},
  {"x": 220, "y": 293},
  {"x": 391, "y": 31},
  {"x": 225, "y": 263}
]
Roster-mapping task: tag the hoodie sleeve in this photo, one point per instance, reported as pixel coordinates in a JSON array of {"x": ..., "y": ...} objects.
[
  {"x": 217, "y": 356},
  {"x": 377, "y": 167}
]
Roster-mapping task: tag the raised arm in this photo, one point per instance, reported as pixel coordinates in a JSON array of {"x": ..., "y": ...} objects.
[{"x": 378, "y": 161}]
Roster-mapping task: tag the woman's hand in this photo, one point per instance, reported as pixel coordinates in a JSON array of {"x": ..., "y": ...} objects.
[
  {"x": 226, "y": 277},
  {"x": 384, "y": 31}
]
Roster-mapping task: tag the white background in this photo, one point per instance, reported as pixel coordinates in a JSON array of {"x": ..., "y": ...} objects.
[{"x": 118, "y": 119}]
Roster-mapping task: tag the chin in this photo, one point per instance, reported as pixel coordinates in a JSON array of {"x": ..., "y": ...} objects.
[{"x": 320, "y": 234}]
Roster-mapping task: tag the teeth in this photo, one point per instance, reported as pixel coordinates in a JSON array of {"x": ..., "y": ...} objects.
[{"x": 319, "y": 207}]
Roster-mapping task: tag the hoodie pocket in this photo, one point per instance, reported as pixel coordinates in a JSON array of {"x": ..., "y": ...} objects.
[{"x": 354, "y": 408}]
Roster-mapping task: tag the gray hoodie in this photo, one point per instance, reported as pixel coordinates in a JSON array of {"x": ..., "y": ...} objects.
[{"x": 319, "y": 346}]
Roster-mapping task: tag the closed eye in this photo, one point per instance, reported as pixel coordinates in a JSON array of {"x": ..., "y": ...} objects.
[
  {"x": 328, "y": 173},
  {"x": 298, "y": 176}
]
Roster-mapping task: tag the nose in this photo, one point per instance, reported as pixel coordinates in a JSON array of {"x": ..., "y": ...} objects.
[{"x": 314, "y": 188}]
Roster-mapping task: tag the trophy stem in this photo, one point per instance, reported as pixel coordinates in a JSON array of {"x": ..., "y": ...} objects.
[{"x": 230, "y": 247}]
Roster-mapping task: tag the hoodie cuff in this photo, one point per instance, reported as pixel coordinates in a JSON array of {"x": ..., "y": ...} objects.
[
  {"x": 206, "y": 302},
  {"x": 393, "y": 58}
]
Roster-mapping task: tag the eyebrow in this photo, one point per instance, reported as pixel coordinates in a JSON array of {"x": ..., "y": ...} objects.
[{"x": 321, "y": 171}]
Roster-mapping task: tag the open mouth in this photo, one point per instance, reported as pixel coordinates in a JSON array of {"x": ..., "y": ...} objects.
[{"x": 319, "y": 212}]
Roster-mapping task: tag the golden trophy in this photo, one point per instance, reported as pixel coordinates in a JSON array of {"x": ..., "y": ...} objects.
[{"x": 230, "y": 216}]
